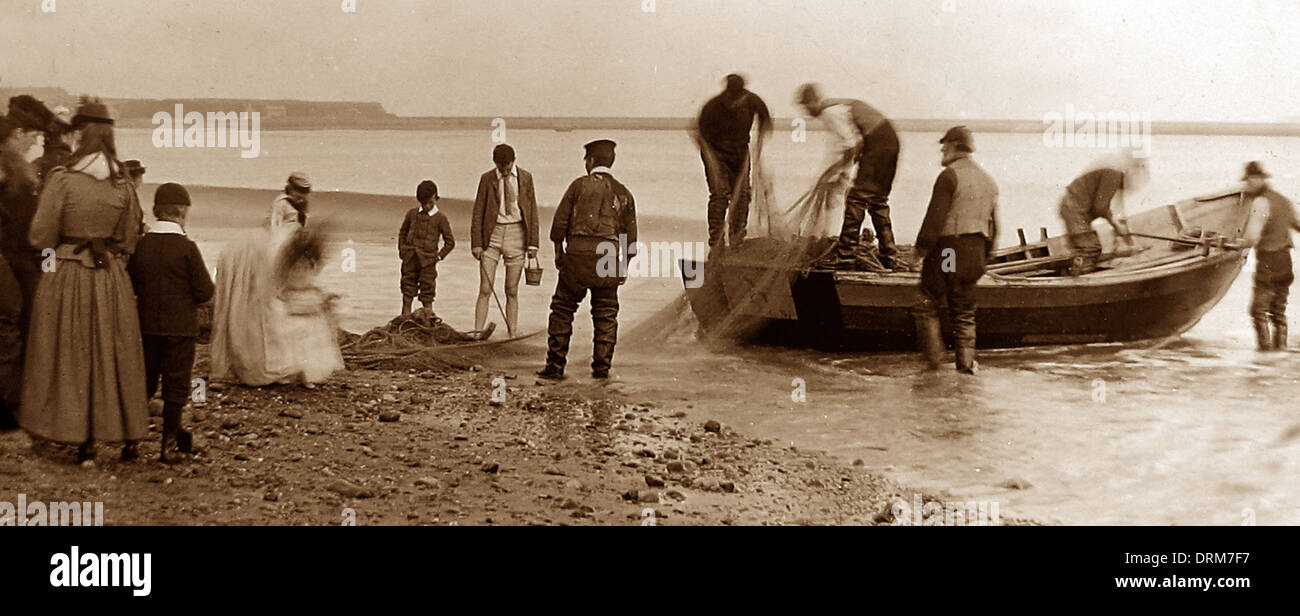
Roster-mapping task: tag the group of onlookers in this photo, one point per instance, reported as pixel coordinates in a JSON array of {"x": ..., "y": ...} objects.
[{"x": 93, "y": 316}]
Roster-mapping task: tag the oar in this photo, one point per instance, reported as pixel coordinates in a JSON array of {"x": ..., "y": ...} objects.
[{"x": 1181, "y": 240}]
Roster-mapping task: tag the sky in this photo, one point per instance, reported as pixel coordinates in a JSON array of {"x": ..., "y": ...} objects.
[{"x": 1207, "y": 60}]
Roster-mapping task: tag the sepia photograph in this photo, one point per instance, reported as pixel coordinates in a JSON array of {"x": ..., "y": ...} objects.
[{"x": 647, "y": 263}]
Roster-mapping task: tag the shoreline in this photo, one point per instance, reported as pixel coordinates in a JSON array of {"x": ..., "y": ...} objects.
[{"x": 459, "y": 446}]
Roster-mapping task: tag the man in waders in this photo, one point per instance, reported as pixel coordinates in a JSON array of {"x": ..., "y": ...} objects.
[
  {"x": 1269, "y": 231},
  {"x": 959, "y": 232},
  {"x": 594, "y": 219}
]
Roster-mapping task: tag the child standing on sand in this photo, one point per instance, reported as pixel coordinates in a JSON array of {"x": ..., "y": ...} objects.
[
  {"x": 170, "y": 281},
  {"x": 417, "y": 245}
]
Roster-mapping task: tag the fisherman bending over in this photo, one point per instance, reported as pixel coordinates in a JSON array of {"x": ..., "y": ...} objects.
[
  {"x": 867, "y": 138},
  {"x": 1088, "y": 198}
]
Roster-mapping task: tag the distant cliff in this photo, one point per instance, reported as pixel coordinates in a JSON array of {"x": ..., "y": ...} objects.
[{"x": 309, "y": 115}]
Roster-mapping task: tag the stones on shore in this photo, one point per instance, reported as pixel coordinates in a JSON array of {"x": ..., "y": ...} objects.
[
  {"x": 428, "y": 482},
  {"x": 293, "y": 413},
  {"x": 654, "y": 481},
  {"x": 712, "y": 426},
  {"x": 349, "y": 490},
  {"x": 490, "y": 467},
  {"x": 390, "y": 416}
]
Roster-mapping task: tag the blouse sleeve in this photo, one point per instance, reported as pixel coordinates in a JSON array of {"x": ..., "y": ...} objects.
[{"x": 44, "y": 232}]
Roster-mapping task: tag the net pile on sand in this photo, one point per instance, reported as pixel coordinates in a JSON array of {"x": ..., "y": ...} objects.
[{"x": 419, "y": 340}]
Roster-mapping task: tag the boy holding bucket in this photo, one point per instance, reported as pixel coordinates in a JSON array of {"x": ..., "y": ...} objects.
[{"x": 504, "y": 227}]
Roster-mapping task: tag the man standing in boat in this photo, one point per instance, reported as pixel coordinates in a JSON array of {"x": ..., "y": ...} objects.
[
  {"x": 595, "y": 216},
  {"x": 865, "y": 136},
  {"x": 1089, "y": 197},
  {"x": 723, "y": 136},
  {"x": 1272, "y": 219},
  {"x": 958, "y": 234}
]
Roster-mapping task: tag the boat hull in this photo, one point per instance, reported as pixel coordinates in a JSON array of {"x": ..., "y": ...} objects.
[{"x": 1164, "y": 296}]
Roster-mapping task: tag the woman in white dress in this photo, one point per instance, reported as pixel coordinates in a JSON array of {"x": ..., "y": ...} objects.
[{"x": 271, "y": 322}]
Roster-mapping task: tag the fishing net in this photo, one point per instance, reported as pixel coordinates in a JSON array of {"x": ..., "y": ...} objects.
[
  {"x": 785, "y": 241},
  {"x": 419, "y": 340}
]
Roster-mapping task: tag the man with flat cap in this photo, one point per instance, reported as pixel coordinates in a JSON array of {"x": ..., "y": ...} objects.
[
  {"x": 595, "y": 217},
  {"x": 1272, "y": 220},
  {"x": 291, "y": 205},
  {"x": 865, "y": 136},
  {"x": 958, "y": 234}
]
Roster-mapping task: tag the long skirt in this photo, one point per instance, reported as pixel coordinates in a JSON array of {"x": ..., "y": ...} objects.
[
  {"x": 257, "y": 338},
  {"x": 84, "y": 375}
]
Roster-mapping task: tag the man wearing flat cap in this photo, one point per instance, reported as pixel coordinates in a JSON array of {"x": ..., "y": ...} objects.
[
  {"x": 1272, "y": 219},
  {"x": 595, "y": 217},
  {"x": 291, "y": 205},
  {"x": 958, "y": 234}
]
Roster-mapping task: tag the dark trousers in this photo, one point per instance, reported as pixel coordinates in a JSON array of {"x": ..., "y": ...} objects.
[
  {"x": 419, "y": 280},
  {"x": 1273, "y": 278},
  {"x": 578, "y": 275},
  {"x": 11, "y": 343},
  {"x": 171, "y": 360},
  {"x": 869, "y": 195},
  {"x": 721, "y": 171},
  {"x": 948, "y": 277}
]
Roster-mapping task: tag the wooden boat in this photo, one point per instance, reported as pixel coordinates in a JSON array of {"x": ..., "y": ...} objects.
[{"x": 1190, "y": 253}]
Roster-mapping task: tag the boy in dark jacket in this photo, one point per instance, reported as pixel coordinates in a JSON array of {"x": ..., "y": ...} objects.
[
  {"x": 417, "y": 244},
  {"x": 170, "y": 282}
]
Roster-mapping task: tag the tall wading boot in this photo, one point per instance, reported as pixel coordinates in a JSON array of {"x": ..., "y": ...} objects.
[
  {"x": 1263, "y": 340},
  {"x": 929, "y": 339},
  {"x": 602, "y": 355},
  {"x": 1279, "y": 336},
  {"x": 966, "y": 363}
]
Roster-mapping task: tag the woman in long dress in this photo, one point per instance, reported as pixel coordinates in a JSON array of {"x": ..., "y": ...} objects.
[
  {"x": 271, "y": 322},
  {"x": 84, "y": 376}
]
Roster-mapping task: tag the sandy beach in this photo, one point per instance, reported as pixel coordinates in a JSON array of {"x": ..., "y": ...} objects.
[{"x": 408, "y": 447}]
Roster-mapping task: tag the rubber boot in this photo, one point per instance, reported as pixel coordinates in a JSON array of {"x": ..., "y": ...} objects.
[
  {"x": 966, "y": 363},
  {"x": 929, "y": 340},
  {"x": 602, "y": 356},
  {"x": 406, "y": 305},
  {"x": 1263, "y": 341},
  {"x": 1279, "y": 336}
]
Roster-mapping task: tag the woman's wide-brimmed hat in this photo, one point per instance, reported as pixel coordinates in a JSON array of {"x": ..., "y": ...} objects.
[
  {"x": 32, "y": 114},
  {"x": 91, "y": 111}
]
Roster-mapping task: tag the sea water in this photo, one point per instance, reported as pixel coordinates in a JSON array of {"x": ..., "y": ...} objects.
[{"x": 1201, "y": 430}]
